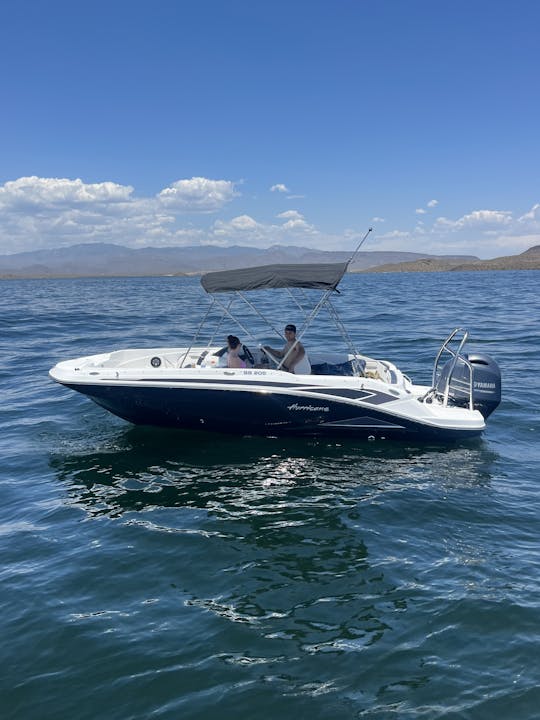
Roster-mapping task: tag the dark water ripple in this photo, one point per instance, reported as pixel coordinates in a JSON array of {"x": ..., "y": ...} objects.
[{"x": 160, "y": 574}]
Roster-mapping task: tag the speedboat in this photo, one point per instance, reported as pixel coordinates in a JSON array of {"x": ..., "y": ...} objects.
[{"x": 339, "y": 393}]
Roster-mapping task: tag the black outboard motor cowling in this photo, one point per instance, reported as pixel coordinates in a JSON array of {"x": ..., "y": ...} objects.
[{"x": 486, "y": 379}]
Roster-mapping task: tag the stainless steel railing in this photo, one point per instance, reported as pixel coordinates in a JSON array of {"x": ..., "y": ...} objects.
[{"x": 460, "y": 386}]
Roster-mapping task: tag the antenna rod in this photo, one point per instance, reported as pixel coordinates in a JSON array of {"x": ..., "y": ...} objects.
[{"x": 362, "y": 241}]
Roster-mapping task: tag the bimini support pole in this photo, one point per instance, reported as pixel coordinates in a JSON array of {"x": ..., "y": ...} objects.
[
  {"x": 307, "y": 322},
  {"x": 181, "y": 360},
  {"x": 362, "y": 241}
]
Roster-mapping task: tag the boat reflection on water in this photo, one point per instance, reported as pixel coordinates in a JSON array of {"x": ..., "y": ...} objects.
[
  {"x": 141, "y": 468},
  {"x": 304, "y": 542}
]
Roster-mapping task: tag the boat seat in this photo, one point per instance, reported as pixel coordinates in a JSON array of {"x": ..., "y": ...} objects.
[{"x": 343, "y": 368}]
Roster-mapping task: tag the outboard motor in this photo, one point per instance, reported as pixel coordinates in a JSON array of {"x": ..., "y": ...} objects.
[{"x": 486, "y": 383}]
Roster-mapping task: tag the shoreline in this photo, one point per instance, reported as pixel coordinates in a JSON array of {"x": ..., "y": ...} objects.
[{"x": 383, "y": 269}]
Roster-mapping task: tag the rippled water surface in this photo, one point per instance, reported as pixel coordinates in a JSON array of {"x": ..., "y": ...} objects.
[{"x": 161, "y": 574}]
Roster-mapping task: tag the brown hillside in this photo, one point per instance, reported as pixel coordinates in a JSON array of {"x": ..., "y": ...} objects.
[{"x": 528, "y": 260}]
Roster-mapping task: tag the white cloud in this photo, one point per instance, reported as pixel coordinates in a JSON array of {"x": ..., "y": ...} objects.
[
  {"x": 393, "y": 234},
  {"x": 487, "y": 217},
  {"x": 290, "y": 215},
  {"x": 481, "y": 219},
  {"x": 299, "y": 225},
  {"x": 279, "y": 187},
  {"x": 377, "y": 220},
  {"x": 242, "y": 223},
  {"x": 430, "y": 204},
  {"x": 296, "y": 222},
  {"x": 245, "y": 230},
  {"x": 532, "y": 216},
  {"x": 48, "y": 193},
  {"x": 198, "y": 194}
]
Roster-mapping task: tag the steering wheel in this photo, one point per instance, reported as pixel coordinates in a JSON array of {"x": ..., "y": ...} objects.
[
  {"x": 270, "y": 356},
  {"x": 201, "y": 357}
]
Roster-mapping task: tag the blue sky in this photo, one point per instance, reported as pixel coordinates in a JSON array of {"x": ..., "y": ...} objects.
[{"x": 255, "y": 123}]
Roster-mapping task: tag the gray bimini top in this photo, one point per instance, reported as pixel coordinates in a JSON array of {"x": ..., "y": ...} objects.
[{"x": 320, "y": 276}]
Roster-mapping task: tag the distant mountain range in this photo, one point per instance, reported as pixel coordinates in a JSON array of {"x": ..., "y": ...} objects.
[{"x": 108, "y": 260}]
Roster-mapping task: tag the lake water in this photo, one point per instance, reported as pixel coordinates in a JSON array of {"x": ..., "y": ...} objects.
[{"x": 161, "y": 574}]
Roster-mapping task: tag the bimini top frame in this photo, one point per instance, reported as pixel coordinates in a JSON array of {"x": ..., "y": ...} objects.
[{"x": 320, "y": 276}]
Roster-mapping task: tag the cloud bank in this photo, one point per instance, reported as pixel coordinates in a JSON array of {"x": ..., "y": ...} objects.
[
  {"x": 487, "y": 233},
  {"x": 38, "y": 213}
]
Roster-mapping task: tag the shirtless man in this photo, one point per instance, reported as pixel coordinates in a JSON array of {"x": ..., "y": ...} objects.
[{"x": 297, "y": 353}]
